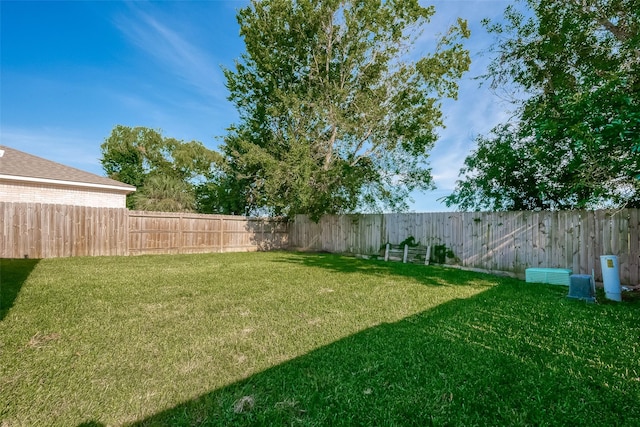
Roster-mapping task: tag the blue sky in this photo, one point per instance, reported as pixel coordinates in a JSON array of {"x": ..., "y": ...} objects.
[{"x": 71, "y": 71}]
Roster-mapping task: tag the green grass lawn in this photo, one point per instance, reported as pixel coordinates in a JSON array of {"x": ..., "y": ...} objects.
[{"x": 305, "y": 339}]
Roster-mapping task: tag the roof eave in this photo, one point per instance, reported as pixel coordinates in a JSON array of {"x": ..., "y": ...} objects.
[{"x": 125, "y": 188}]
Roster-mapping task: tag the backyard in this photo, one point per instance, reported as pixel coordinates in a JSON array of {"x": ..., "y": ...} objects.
[{"x": 278, "y": 338}]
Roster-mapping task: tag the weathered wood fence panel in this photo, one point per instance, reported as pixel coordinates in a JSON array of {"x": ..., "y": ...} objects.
[
  {"x": 162, "y": 232},
  {"x": 47, "y": 231},
  {"x": 35, "y": 230},
  {"x": 498, "y": 241}
]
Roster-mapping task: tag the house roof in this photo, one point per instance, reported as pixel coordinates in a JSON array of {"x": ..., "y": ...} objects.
[{"x": 17, "y": 165}]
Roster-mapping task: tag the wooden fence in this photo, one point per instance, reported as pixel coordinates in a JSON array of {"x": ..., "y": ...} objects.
[
  {"x": 161, "y": 232},
  {"x": 36, "y": 230},
  {"x": 500, "y": 241},
  {"x": 503, "y": 241},
  {"x": 33, "y": 230}
]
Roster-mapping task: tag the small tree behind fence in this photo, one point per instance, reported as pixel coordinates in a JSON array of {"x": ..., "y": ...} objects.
[
  {"x": 493, "y": 241},
  {"x": 34, "y": 230}
]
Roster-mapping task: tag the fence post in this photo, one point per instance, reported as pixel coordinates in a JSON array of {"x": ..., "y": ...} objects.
[{"x": 406, "y": 252}]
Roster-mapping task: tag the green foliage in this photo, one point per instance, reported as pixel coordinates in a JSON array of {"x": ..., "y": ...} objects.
[
  {"x": 334, "y": 116},
  {"x": 439, "y": 254},
  {"x": 165, "y": 171},
  {"x": 507, "y": 171},
  {"x": 410, "y": 241},
  {"x": 222, "y": 195},
  {"x": 165, "y": 193},
  {"x": 577, "y": 64}
]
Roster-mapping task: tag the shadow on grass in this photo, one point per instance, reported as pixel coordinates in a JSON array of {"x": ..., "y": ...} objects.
[
  {"x": 432, "y": 275},
  {"x": 13, "y": 274},
  {"x": 511, "y": 355}
]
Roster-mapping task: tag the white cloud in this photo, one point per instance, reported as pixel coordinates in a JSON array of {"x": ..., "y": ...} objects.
[
  {"x": 476, "y": 111},
  {"x": 185, "y": 59}
]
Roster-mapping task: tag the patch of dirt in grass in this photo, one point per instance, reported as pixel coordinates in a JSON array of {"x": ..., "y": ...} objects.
[
  {"x": 244, "y": 404},
  {"x": 247, "y": 331},
  {"x": 153, "y": 307},
  {"x": 41, "y": 339},
  {"x": 291, "y": 407}
]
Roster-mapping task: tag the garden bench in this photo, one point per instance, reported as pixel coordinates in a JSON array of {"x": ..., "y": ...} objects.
[{"x": 414, "y": 254}]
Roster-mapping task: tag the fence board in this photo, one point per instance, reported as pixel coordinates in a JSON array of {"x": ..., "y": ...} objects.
[
  {"x": 634, "y": 246},
  {"x": 620, "y": 228}
]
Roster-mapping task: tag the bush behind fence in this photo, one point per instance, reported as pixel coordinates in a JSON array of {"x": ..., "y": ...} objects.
[{"x": 493, "y": 241}]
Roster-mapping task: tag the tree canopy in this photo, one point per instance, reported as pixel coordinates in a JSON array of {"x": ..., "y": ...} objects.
[
  {"x": 337, "y": 110},
  {"x": 167, "y": 172},
  {"x": 574, "y": 140}
]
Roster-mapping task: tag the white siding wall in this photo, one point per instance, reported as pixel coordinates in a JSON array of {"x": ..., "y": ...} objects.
[{"x": 58, "y": 194}]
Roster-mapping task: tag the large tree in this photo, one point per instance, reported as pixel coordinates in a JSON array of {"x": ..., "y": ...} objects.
[
  {"x": 573, "y": 142},
  {"x": 167, "y": 172},
  {"x": 338, "y": 110}
]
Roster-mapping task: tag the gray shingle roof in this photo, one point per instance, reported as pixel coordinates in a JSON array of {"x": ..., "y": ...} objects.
[{"x": 23, "y": 165}]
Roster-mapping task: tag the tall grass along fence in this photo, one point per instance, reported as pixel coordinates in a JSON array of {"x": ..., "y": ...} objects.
[
  {"x": 36, "y": 230},
  {"x": 492, "y": 241}
]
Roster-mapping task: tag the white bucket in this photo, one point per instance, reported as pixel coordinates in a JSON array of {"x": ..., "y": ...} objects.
[{"x": 611, "y": 277}]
